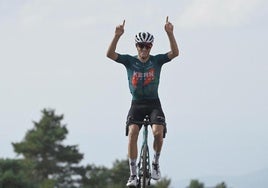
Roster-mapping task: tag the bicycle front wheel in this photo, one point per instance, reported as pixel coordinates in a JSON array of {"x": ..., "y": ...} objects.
[{"x": 145, "y": 164}]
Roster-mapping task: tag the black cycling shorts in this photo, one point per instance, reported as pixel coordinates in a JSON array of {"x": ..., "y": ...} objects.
[{"x": 140, "y": 108}]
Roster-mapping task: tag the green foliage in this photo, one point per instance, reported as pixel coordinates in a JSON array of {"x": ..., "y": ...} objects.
[
  {"x": 115, "y": 177},
  {"x": 196, "y": 184},
  {"x": 43, "y": 146},
  {"x": 15, "y": 173},
  {"x": 163, "y": 183},
  {"x": 120, "y": 171},
  {"x": 47, "y": 184},
  {"x": 96, "y": 177},
  {"x": 221, "y": 185}
]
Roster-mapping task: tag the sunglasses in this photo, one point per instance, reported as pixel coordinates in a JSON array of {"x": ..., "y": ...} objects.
[{"x": 144, "y": 45}]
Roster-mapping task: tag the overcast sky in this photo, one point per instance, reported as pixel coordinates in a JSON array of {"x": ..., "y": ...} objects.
[{"x": 52, "y": 55}]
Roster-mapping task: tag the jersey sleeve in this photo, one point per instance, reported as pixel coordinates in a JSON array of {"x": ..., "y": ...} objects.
[
  {"x": 162, "y": 58},
  {"x": 123, "y": 59}
]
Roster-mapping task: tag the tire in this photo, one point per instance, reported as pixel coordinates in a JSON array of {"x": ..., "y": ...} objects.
[{"x": 144, "y": 167}]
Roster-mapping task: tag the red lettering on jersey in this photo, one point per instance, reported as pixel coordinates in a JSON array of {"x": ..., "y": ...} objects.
[
  {"x": 135, "y": 79},
  {"x": 148, "y": 77}
]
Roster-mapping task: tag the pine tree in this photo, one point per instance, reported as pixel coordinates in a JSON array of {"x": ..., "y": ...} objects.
[{"x": 43, "y": 146}]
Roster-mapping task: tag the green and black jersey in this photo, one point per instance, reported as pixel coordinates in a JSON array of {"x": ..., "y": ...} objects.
[{"x": 143, "y": 78}]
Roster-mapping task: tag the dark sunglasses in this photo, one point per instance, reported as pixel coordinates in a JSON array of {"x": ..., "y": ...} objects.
[{"x": 144, "y": 45}]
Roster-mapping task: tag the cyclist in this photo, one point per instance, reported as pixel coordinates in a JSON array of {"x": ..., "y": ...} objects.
[{"x": 143, "y": 75}]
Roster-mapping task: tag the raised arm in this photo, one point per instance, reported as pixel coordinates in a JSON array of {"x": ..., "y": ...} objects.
[
  {"x": 118, "y": 33},
  {"x": 174, "y": 50}
]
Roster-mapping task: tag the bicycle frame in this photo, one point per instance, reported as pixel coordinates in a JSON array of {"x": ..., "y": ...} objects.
[{"x": 144, "y": 170}]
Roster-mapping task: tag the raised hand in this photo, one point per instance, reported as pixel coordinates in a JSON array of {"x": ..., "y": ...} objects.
[
  {"x": 119, "y": 30},
  {"x": 168, "y": 26}
]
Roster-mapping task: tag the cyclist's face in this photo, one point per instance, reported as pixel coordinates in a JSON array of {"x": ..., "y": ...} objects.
[{"x": 144, "y": 50}]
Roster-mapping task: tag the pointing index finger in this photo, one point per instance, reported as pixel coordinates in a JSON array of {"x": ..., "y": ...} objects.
[
  {"x": 167, "y": 19},
  {"x": 123, "y": 23}
]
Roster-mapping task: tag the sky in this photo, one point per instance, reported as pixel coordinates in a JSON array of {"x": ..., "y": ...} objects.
[{"x": 214, "y": 95}]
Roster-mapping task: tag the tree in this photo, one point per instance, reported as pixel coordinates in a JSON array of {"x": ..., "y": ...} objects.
[
  {"x": 163, "y": 183},
  {"x": 106, "y": 178},
  {"x": 120, "y": 172},
  {"x": 95, "y": 177},
  {"x": 195, "y": 184},
  {"x": 51, "y": 160},
  {"x": 221, "y": 185},
  {"x": 15, "y": 173}
]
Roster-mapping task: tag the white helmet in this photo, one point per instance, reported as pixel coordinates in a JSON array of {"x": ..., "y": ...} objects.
[{"x": 144, "y": 37}]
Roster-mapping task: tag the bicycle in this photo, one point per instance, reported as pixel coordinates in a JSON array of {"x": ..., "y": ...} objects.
[{"x": 144, "y": 169}]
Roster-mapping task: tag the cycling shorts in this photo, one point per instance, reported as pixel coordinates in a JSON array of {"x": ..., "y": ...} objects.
[{"x": 140, "y": 108}]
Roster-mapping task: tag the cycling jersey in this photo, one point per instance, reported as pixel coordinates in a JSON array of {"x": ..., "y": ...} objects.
[{"x": 143, "y": 78}]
